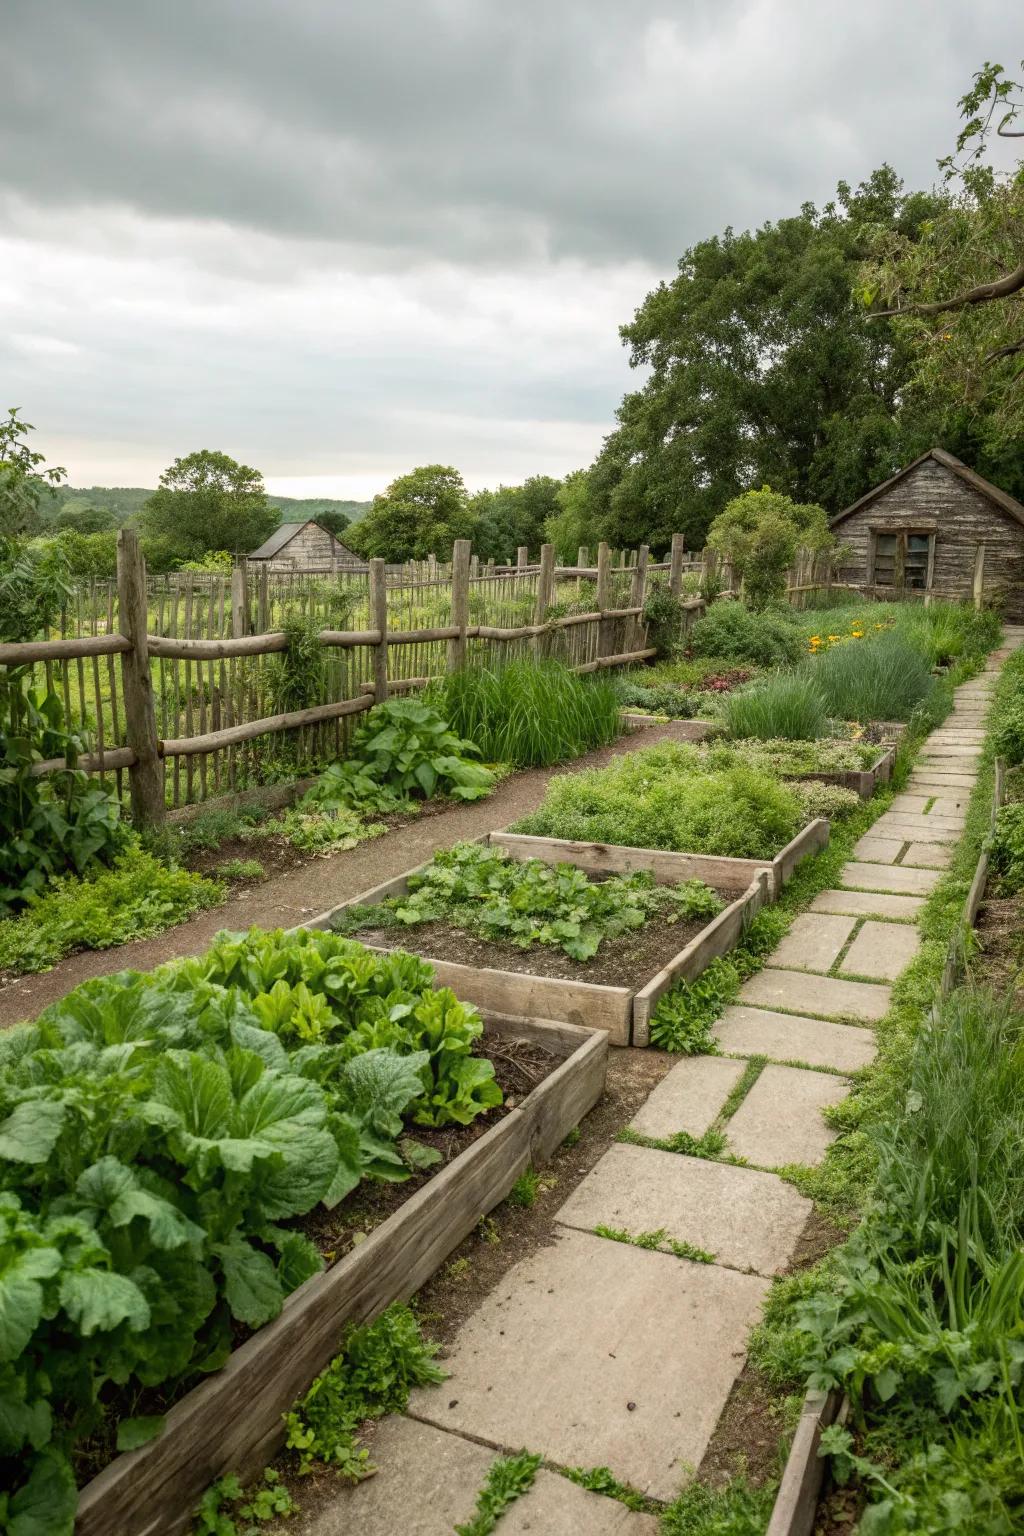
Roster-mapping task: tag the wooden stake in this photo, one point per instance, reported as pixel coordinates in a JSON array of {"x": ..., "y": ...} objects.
[
  {"x": 240, "y": 600},
  {"x": 606, "y": 628},
  {"x": 146, "y": 774},
  {"x": 460, "y": 602},
  {"x": 675, "y": 580},
  {"x": 379, "y": 620}
]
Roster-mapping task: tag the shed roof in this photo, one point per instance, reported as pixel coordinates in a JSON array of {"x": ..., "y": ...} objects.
[
  {"x": 1001, "y": 499},
  {"x": 281, "y": 537}
]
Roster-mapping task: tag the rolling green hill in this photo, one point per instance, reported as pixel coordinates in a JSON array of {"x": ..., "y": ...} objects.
[{"x": 126, "y": 501}]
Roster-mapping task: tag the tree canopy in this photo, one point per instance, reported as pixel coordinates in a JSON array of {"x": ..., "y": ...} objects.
[
  {"x": 760, "y": 532},
  {"x": 764, "y": 367},
  {"x": 513, "y": 515},
  {"x": 954, "y": 292},
  {"x": 420, "y": 514},
  {"x": 207, "y": 501}
]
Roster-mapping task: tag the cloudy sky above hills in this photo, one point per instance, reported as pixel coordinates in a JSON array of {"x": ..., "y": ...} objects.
[{"x": 340, "y": 239}]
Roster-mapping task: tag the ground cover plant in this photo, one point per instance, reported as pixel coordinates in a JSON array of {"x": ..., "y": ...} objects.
[
  {"x": 158, "y": 1134},
  {"x": 791, "y": 758},
  {"x": 137, "y": 896},
  {"x": 664, "y": 797},
  {"x": 656, "y": 699},
  {"x": 527, "y": 713},
  {"x": 526, "y": 902}
]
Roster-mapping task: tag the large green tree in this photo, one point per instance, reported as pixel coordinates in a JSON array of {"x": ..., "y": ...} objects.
[
  {"x": 24, "y": 484},
  {"x": 420, "y": 514},
  {"x": 514, "y": 515},
  {"x": 955, "y": 291},
  {"x": 208, "y": 501},
  {"x": 763, "y": 367}
]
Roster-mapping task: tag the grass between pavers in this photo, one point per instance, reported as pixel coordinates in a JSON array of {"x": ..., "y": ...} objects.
[{"x": 508, "y": 1478}]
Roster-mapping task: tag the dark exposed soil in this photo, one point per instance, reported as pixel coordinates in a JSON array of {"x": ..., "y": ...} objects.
[
  {"x": 631, "y": 960},
  {"x": 313, "y": 885},
  {"x": 519, "y": 1065},
  {"x": 1000, "y": 962}
]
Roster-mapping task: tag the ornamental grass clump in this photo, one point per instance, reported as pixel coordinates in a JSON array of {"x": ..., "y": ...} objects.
[
  {"x": 526, "y": 713},
  {"x": 787, "y": 707},
  {"x": 663, "y": 797},
  {"x": 881, "y": 678}
]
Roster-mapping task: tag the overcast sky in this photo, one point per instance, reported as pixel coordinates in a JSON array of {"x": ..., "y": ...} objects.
[{"x": 338, "y": 238}]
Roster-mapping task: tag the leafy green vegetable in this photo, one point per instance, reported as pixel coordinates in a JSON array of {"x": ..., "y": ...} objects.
[{"x": 528, "y": 902}]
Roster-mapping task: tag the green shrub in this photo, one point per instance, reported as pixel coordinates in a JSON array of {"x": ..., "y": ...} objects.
[
  {"x": 662, "y": 797},
  {"x": 1008, "y": 736},
  {"x": 657, "y": 699},
  {"x": 525, "y": 902},
  {"x": 736, "y": 633},
  {"x": 1006, "y": 848},
  {"x": 528, "y": 714},
  {"x": 948, "y": 632},
  {"x": 881, "y": 678},
  {"x": 788, "y": 707},
  {"x": 404, "y": 748},
  {"x": 138, "y": 896}
]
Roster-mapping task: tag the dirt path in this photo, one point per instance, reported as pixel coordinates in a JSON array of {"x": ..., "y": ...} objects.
[{"x": 284, "y": 900}]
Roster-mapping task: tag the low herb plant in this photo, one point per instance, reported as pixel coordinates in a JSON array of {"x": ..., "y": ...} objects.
[
  {"x": 664, "y": 797},
  {"x": 656, "y": 699},
  {"x": 138, "y": 896},
  {"x": 372, "y": 1376},
  {"x": 525, "y": 902},
  {"x": 787, "y": 707},
  {"x": 404, "y": 749},
  {"x": 1006, "y": 849},
  {"x": 528, "y": 713},
  {"x": 159, "y": 1133},
  {"x": 226, "y": 1503}
]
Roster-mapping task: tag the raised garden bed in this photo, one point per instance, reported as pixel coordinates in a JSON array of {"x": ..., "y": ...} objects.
[
  {"x": 557, "y": 989},
  {"x": 863, "y": 781},
  {"x": 233, "y": 1421}
]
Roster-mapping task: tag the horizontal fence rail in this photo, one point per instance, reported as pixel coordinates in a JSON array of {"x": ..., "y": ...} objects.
[{"x": 179, "y": 685}]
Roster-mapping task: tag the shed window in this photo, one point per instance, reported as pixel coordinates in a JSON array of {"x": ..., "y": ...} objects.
[{"x": 903, "y": 559}]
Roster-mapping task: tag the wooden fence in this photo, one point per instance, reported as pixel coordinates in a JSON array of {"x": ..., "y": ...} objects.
[{"x": 183, "y": 686}]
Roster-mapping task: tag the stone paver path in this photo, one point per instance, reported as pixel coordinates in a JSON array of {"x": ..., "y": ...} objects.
[{"x": 595, "y": 1351}]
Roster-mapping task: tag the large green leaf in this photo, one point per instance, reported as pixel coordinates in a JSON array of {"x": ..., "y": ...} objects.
[
  {"x": 379, "y": 1086},
  {"x": 251, "y": 1283},
  {"x": 30, "y": 1132},
  {"x": 44, "y": 1505},
  {"x": 99, "y": 1300},
  {"x": 24, "y": 1419},
  {"x": 22, "y": 1297}
]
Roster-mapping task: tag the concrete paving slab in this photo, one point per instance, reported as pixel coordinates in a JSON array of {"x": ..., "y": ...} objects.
[
  {"x": 941, "y": 783},
  {"x": 881, "y": 877},
  {"x": 928, "y": 856},
  {"x": 921, "y": 829},
  {"x": 951, "y": 804},
  {"x": 882, "y": 951},
  {"x": 568, "y": 1356},
  {"x": 791, "y": 1037},
  {"x": 824, "y": 997},
  {"x": 427, "y": 1482},
  {"x": 908, "y": 802},
  {"x": 813, "y": 942},
  {"x": 746, "y": 1222},
  {"x": 780, "y": 1119},
  {"x": 879, "y": 850},
  {"x": 904, "y": 909},
  {"x": 689, "y": 1098}
]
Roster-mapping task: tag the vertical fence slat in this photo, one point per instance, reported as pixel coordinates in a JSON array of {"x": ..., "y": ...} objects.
[{"x": 146, "y": 775}]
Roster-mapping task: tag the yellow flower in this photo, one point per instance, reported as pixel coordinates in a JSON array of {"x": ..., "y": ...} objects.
[
  {"x": 832, "y": 639},
  {"x": 815, "y": 639},
  {"x": 858, "y": 634}
]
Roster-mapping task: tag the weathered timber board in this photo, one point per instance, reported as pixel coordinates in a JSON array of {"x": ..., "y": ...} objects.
[
  {"x": 233, "y": 1422},
  {"x": 613, "y": 859}
]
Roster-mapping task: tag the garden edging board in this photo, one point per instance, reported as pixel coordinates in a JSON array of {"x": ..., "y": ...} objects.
[
  {"x": 623, "y": 1011},
  {"x": 863, "y": 781},
  {"x": 233, "y": 1421}
]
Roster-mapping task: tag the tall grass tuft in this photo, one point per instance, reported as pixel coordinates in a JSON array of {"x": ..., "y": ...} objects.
[
  {"x": 527, "y": 713},
  {"x": 788, "y": 707},
  {"x": 883, "y": 678}
]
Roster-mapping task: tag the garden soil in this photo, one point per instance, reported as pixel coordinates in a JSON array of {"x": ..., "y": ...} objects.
[{"x": 286, "y": 900}]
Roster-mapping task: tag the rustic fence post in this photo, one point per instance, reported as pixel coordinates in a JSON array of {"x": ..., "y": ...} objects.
[
  {"x": 474, "y": 566},
  {"x": 240, "y": 599},
  {"x": 605, "y": 627},
  {"x": 379, "y": 620},
  {"x": 460, "y": 602},
  {"x": 675, "y": 579},
  {"x": 522, "y": 557},
  {"x": 146, "y": 774},
  {"x": 979, "y": 575},
  {"x": 638, "y": 592},
  {"x": 263, "y": 600},
  {"x": 545, "y": 596}
]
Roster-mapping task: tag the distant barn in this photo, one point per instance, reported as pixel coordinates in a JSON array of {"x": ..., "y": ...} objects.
[
  {"x": 306, "y": 547},
  {"x": 936, "y": 527}
]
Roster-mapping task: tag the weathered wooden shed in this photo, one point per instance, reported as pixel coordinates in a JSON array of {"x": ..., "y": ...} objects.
[
  {"x": 936, "y": 527},
  {"x": 306, "y": 546}
]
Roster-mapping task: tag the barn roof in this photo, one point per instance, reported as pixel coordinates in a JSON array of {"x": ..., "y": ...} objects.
[
  {"x": 281, "y": 537},
  {"x": 1001, "y": 499}
]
